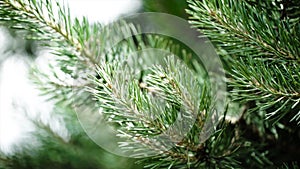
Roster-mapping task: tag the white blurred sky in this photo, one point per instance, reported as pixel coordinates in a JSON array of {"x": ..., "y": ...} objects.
[
  {"x": 15, "y": 87},
  {"x": 102, "y": 10}
]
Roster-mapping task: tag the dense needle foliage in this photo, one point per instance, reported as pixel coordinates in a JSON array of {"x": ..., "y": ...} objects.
[{"x": 258, "y": 42}]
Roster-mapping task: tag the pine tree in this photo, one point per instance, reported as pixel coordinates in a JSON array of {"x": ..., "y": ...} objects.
[{"x": 257, "y": 41}]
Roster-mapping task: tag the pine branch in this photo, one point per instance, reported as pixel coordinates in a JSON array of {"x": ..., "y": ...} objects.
[
  {"x": 41, "y": 19},
  {"x": 144, "y": 106},
  {"x": 50, "y": 23},
  {"x": 127, "y": 104},
  {"x": 264, "y": 61},
  {"x": 134, "y": 108},
  {"x": 237, "y": 25},
  {"x": 274, "y": 86},
  {"x": 289, "y": 9},
  {"x": 76, "y": 45},
  {"x": 81, "y": 45}
]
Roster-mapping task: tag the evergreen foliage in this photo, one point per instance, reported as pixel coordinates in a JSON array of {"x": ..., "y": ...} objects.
[{"x": 258, "y": 42}]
